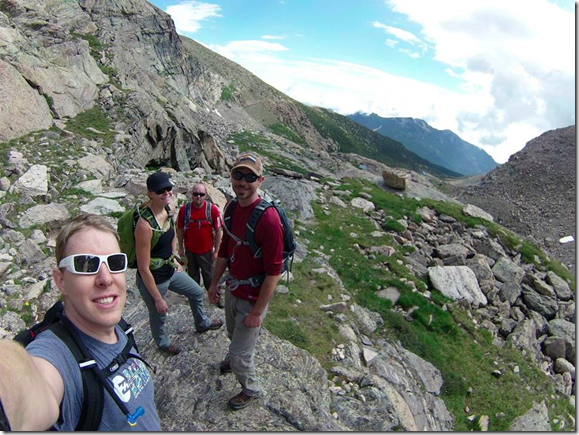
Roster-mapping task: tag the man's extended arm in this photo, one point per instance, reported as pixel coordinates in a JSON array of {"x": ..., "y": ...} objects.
[
  {"x": 220, "y": 267},
  {"x": 217, "y": 243},
  {"x": 31, "y": 389}
]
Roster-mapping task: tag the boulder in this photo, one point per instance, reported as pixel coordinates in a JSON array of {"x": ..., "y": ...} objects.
[
  {"x": 544, "y": 305},
  {"x": 507, "y": 271},
  {"x": 560, "y": 286},
  {"x": 98, "y": 167},
  {"x": 364, "y": 204},
  {"x": 34, "y": 182},
  {"x": 42, "y": 214},
  {"x": 480, "y": 266},
  {"x": 535, "y": 419},
  {"x": 102, "y": 206},
  {"x": 91, "y": 186},
  {"x": 474, "y": 211},
  {"x": 395, "y": 178},
  {"x": 20, "y": 98},
  {"x": 457, "y": 282}
]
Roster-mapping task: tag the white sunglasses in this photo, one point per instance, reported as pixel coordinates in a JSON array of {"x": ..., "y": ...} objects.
[{"x": 90, "y": 264}]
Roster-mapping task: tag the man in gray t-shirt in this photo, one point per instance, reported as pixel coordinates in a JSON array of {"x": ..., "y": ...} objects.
[
  {"x": 132, "y": 382},
  {"x": 41, "y": 387}
]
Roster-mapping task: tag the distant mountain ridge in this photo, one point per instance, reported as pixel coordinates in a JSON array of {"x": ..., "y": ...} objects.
[{"x": 441, "y": 147}]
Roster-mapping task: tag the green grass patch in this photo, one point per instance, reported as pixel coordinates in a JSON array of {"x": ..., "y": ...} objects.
[
  {"x": 228, "y": 93},
  {"x": 439, "y": 331},
  {"x": 303, "y": 323},
  {"x": 93, "y": 42},
  {"x": 96, "y": 119},
  {"x": 284, "y": 131}
]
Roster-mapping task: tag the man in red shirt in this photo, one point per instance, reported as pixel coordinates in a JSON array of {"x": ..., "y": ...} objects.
[
  {"x": 202, "y": 237},
  {"x": 246, "y": 306}
]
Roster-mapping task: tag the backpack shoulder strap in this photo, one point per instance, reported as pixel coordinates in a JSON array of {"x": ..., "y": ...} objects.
[
  {"x": 26, "y": 336},
  {"x": 187, "y": 215},
  {"x": 252, "y": 224},
  {"x": 93, "y": 394},
  {"x": 228, "y": 213},
  {"x": 208, "y": 213}
]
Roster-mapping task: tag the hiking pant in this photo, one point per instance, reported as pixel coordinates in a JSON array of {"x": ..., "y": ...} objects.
[
  {"x": 200, "y": 262},
  {"x": 243, "y": 341},
  {"x": 182, "y": 284}
]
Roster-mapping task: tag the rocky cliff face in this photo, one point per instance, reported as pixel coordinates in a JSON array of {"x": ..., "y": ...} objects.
[{"x": 534, "y": 193}]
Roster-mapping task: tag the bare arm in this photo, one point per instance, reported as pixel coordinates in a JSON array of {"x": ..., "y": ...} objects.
[
  {"x": 217, "y": 242},
  {"x": 31, "y": 389},
  {"x": 220, "y": 267},
  {"x": 143, "y": 235},
  {"x": 253, "y": 319},
  {"x": 180, "y": 240}
]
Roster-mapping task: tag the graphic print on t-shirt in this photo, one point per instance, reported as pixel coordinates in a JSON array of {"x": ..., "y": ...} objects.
[{"x": 132, "y": 381}]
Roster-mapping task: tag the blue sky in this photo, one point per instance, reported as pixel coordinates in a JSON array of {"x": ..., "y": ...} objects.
[{"x": 498, "y": 73}]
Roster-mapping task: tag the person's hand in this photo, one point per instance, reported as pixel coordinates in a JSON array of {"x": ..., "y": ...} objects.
[
  {"x": 181, "y": 251},
  {"x": 253, "y": 320},
  {"x": 214, "y": 255},
  {"x": 179, "y": 268},
  {"x": 161, "y": 306},
  {"x": 213, "y": 295}
]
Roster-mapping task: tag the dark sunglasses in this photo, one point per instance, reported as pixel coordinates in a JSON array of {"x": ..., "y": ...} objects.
[
  {"x": 166, "y": 189},
  {"x": 90, "y": 264},
  {"x": 250, "y": 178},
  {"x": 198, "y": 194}
]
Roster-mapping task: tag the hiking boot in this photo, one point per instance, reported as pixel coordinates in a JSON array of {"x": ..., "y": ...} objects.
[
  {"x": 225, "y": 367},
  {"x": 240, "y": 401},
  {"x": 171, "y": 349},
  {"x": 215, "y": 324}
]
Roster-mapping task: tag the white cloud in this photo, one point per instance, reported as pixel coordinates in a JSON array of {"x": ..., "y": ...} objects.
[
  {"x": 402, "y": 34},
  {"x": 515, "y": 61},
  {"x": 519, "y": 53},
  {"x": 188, "y": 15},
  {"x": 410, "y": 53},
  {"x": 274, "y": 37}
]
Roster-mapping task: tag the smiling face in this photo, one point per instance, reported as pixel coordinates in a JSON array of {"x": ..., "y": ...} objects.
[
  {"x": 161, "y": 198},
  {"x": 94, "y": 303},
  {"x": 246, "y": 192}
]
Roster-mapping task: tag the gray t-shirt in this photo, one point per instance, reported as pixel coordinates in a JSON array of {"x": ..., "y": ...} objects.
[{"x": 132, "y": 382}]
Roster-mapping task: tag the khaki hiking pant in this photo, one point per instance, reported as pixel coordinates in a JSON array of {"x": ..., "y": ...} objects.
[{"x": 243, "y": 341}]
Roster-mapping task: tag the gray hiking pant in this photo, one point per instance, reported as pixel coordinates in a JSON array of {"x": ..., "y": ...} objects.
[
  {"x": 243, "y": 341},
  {"x": 200, "y": 265},
  {"x": 182, "y": 284}
]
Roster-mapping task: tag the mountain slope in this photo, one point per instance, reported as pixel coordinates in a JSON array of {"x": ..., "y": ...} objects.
[
  {"x": 534, "y": 193},
  {"x": 441, "y": 147}
]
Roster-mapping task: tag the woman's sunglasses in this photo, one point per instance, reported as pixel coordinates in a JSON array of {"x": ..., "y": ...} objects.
[
  {"x": 166, "y": 189},
  {"x": 90, "y": 264},
  {"x": 250, "y": 178}
]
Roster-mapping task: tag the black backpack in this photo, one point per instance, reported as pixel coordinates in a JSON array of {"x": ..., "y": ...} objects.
[
  {"x": 289, "y": 244},
  {"x": 94, "y": 380}
]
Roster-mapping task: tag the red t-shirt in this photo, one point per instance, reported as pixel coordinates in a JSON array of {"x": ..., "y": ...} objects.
[
  {"x": 268, "y": 235},
  {"x": 199, "y": 235}
]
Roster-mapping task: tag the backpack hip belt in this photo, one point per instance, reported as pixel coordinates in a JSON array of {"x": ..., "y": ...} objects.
[
  {"x": 234, "y": 283},
  {"x": 157, "y": 263}
]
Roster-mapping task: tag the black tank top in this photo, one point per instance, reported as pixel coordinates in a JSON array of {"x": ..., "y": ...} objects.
[{"x": 163, "y": 249}]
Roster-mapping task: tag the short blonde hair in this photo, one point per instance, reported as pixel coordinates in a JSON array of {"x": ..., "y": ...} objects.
[{"x": 81, "y": 223}]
